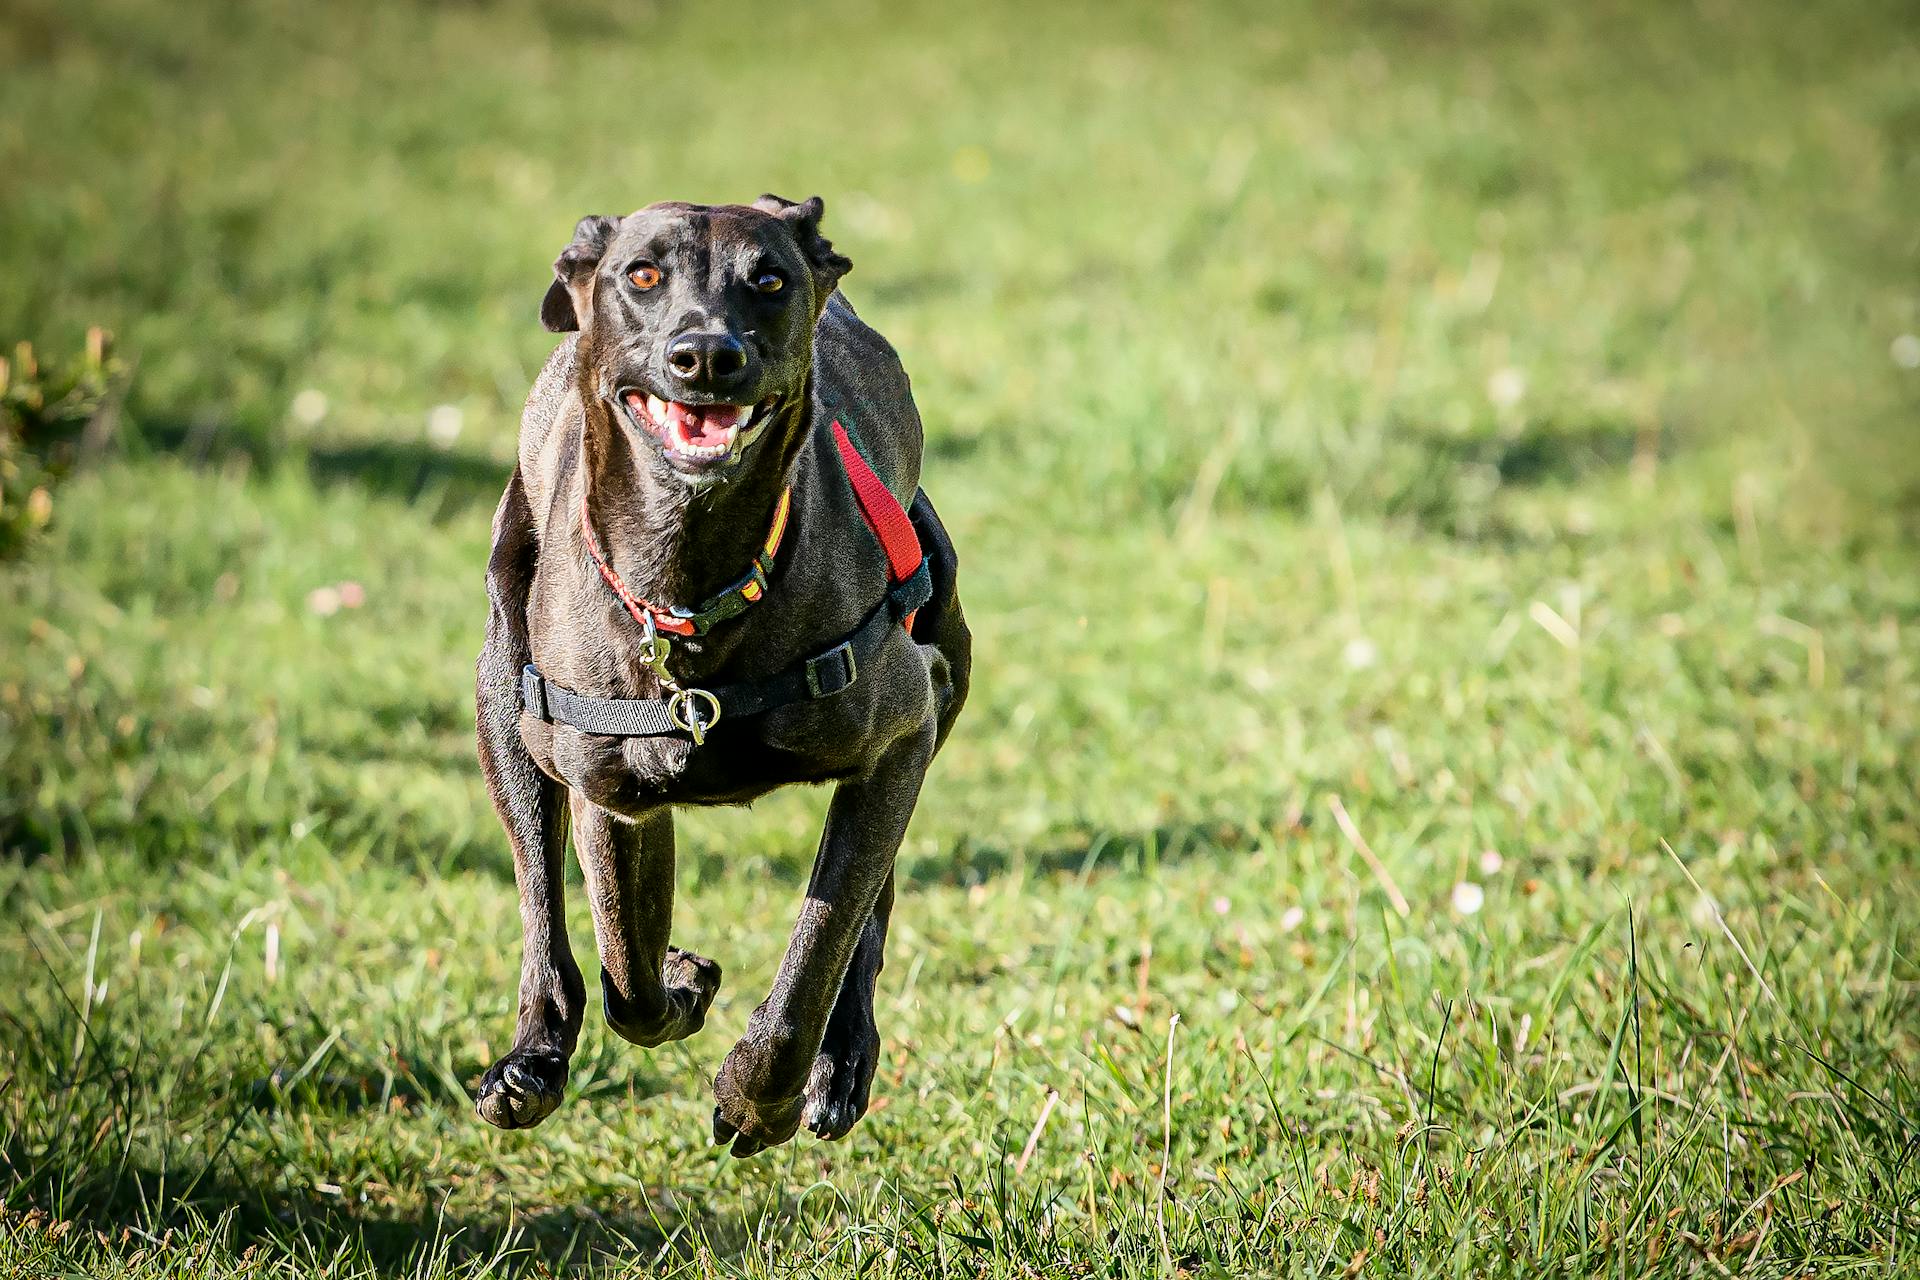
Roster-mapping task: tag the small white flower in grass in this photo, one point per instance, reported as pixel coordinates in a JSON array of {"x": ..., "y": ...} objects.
[
  {"x": 1360, "y": 653},
  {"x": 1468, "y": 897},
  {"x": 1491, "y": 862},
  {"x": 1222, "y": 905},
  {"x": 1906, "y": 351},
  {"x": 443, "y": 424},
  {"x": 1506, "y": 387},
  {"x": 323, "y": 601},
  {"x": 1292, "y": 918},
  {"x": 309, "y": 406}
]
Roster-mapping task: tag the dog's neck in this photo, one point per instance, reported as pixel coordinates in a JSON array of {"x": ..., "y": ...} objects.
[{"x": 674, "y": 543}]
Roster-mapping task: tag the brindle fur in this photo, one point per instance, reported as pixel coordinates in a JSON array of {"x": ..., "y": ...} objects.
[{"x": 809, "y": 1051}]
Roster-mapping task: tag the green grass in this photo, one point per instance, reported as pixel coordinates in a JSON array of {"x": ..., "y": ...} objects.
[{"x": 1483, "y": 423}]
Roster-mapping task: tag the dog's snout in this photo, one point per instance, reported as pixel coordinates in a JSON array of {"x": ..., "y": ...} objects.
[{"x": 707, "y": 358}]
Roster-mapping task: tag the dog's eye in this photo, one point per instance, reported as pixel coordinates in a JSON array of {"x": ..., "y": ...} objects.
[
  {"x": 644, "y": 276},
  {"x": 770, "y": 282}
]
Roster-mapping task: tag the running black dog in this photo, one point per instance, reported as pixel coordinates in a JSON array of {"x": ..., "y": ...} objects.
[{"x": 713, "y": 574}]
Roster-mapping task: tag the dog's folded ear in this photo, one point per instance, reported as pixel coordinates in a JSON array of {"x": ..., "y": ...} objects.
[
  {"x": 804, "y": 220},
  {"x": 562, "y": 309}
]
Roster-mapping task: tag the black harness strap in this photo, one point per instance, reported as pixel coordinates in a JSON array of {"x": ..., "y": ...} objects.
[{"x": 823, "y": 675}]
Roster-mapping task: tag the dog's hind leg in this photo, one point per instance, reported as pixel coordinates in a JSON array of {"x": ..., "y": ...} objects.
[
  {"x": 839, "y": 1085},
  {"x": 761, "y": 1087},
  {"x": 842, "y": 1075},
  {"x": 653, "y": 992},
  {"x": 525, "y": 1086}
]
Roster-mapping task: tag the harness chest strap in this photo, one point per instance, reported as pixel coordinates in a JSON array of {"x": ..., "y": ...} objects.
[
  {"x": 910, "y": 585},
  {"x": 822, "y": 675}
]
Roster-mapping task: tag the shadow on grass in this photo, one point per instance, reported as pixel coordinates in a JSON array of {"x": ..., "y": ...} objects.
[
  {"x": 1549, "y": 452},
  {"x": 1087, "y": 850},
  {"x": 1439, "y": 482},
  {"x": 142, "y": 1205},
  {"x": 130, "y": 1142},
  {"x": 411, "y": 470}
]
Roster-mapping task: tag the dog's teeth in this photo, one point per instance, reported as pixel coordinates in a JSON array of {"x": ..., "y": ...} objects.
[{"x": 657, "y": 410}]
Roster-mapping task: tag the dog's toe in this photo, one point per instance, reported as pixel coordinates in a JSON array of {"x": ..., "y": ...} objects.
[
  {"x": 830, "y": 1120},
  {"x": 521, "y": 1090},
  {"x": 742, "y": 1144},
  {"x": 836, "y": 1096},
  {"x": 685, "y": 969}
]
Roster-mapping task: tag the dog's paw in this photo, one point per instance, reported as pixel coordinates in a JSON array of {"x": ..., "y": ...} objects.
[
  {"x": 838, "y": 1085},
  {"x": 750, "y": 1123},
  {"x": 689, "y": 982},
  {"x": 521, "y": 1090}
]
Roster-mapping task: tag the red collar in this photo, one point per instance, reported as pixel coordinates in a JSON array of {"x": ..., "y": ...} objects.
[{"x": 726, "y": 603}]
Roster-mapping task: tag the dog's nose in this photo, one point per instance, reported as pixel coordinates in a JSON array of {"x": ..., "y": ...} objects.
[{"x": 707, "y": 358}]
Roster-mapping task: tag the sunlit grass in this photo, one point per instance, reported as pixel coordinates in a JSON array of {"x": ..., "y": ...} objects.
[{"x": 1436, "y": 497}]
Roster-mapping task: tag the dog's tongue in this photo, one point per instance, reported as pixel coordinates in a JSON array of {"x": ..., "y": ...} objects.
[{"x": 704, "y": 424}]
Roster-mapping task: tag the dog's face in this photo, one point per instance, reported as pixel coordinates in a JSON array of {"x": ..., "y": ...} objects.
[{"x": 696, "y": 322}]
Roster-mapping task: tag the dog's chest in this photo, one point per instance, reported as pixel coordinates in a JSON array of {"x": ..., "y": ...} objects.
[{"x": 737, "y": 763}]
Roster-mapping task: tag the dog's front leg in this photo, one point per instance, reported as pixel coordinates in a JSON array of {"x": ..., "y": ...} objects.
[
  {"x": 762, "y": 1086},
  {"x": 524, "y": 1087},
  {"x": 653, "y": 992}
]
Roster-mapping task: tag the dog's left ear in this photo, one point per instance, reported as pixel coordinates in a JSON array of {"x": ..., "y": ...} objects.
[
  {"x": 564, "y": 307},
  {"x": 803, "y": 220}
]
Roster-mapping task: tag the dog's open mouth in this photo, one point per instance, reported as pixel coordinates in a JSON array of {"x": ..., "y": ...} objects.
[{"x": 696, "y": 436}]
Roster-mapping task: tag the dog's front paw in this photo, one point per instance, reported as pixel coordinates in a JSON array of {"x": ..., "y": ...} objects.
[
  {"x": 691, "y": 982},
  {"x": 688, "y": 983},
  {"x": 751, "y": 1121},
  {"x": 842, "y": 1076},
  {"x": 521, "y": 1089}
]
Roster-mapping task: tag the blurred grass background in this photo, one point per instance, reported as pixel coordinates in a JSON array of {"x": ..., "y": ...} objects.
[{"x": 1492, "y": 422}]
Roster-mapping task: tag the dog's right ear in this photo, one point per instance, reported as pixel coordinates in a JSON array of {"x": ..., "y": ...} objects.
[
  {"x": 803, "y": 217},
  {"x": 564, "y": 307}
]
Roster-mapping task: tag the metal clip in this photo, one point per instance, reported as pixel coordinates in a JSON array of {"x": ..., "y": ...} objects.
[
  {"x": 683, "y": 705},
  {"x": 654, "y": 649},
  {"x": 685, "y": 711}
]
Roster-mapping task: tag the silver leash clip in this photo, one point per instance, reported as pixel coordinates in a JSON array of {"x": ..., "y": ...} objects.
[
  {"x": 692, "y": 710},
  {"x": 654, "y": 649}
]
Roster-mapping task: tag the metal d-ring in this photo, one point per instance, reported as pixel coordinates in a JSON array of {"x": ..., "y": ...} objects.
[{"x": 685, "y": 714}]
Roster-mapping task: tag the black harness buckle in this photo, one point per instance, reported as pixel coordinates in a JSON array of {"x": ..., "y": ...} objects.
[
  {"x": 830, "y": 672},
  {"x": 533, "y": 692}
]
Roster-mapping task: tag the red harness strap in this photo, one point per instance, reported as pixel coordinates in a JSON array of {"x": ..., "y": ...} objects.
[{"x": 884, "y": 514}]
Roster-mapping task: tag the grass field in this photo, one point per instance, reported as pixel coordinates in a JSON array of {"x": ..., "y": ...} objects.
[{"x": 1438, "y": 494}]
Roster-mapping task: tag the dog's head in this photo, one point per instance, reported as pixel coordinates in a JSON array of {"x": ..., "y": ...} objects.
[{"x": 696, "y": 321}]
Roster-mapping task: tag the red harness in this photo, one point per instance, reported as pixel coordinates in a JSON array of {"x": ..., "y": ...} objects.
[{"x": 883, "y": 512}]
